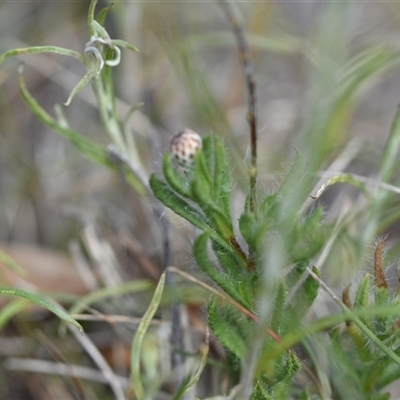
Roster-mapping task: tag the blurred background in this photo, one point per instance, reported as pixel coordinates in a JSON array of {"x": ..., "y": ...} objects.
[{"x": 317, "y": 66}]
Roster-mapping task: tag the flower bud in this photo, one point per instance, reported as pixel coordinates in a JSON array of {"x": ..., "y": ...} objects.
[{"x": 184, "y": 146}]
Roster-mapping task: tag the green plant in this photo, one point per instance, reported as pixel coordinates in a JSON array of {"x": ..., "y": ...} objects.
[{"x": 263, "y": 267}]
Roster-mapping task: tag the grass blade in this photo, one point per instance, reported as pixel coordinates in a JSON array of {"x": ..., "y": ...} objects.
[
  {"x": 86, "y": 147},
  {"x": 120, "y": 290},
  {"x": 42, "y": 302},
  {"x": 41, "y": 49},
  {"x": 135, "y": 381}
]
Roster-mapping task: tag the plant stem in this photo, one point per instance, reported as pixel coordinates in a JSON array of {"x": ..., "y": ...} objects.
[{"x": 244, "y": 56}]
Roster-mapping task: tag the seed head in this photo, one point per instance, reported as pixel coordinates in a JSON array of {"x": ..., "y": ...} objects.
[{"x": 184, "y": 146}]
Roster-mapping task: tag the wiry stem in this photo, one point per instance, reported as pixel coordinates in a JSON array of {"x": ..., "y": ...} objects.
[{"x": 244, "y": 55}]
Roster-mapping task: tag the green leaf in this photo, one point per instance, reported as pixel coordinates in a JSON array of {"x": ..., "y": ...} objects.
[
  {"x": 80, "y": 85},
  {"x": 92, "y": 7},
  {"x": 216, "y": 158},
  {"x": 229, "y": 260},
  {"x": 203, "y": 171},
  {"x": 85, "y": 146},
  {"x": 278, "y": 314},
  {"x": 42, "y": 302},
  {"x": 189, "y": 382},
  {"x": 307, "y": 238},
  {"x": 289, "y": 369},
  {"x": 269, "y": 205},
  {"x": 388, "y": 376},
  {"x": 301, "y": 302},
  {"x": 173, "y": 178},
  {"x": 362, "y": 296},
  {"x": 42, "y": 49},
  {"x": 382, "y": 296},
  {"x": 201, "y": 180},
  {"x": 224, "y": 281},
  {"x": 342, "y": 178},
  {"x": 248, "y": 228},
  {"x": 220, "y": 223},
  {"x": 226, "y": 331},
  {"x": 98, "y": 29},
  {"x": 208, "y": 152},
  {"x": 259, "y": 393},
  {"x": 311, "y": 287},
  {"x": 135, "y": 286},
  {"x": 184, "y": 209},
  {"x": 177, "y": 204},
  {"x": 102, "y": 14},
  {"x": 124, "y": 44},
  {"x": 202, "y": 193},
  {"x": 137, "y": 342}
]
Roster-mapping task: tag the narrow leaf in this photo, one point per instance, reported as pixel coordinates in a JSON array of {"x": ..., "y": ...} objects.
[
  {"x": 85, "y": 146},
  {"x": 229, "y": 260},
  {"x": 92, "y": 7},
  {"x": 124, "y": 44},
  {"x": 220, "y": 222},
  {"x": 279, "y": 303},
  {"x": 224, "y": 281},
  {"x": 102, "y": 14},
  {"x": 290, "y": 368},
  {"x": 42, "y": 49},
  {"x": 80, "y": 85},
  {"x": 301, "y": 302},
  {"x": 135, "y": 381},
  {"x": 177, "y": 204},
  {"x": 189, "y": 383},
  {"x": 362, "y": 295},
  {"x": 226, "y": 332},
  {"x": 135, "y": 286},
  {"x": 222, "y": 186},
  {"x": 173, "y": 179},
  {"x": 248, "y": 228},
  {"x": 99, "y": 30},
  {"x": 343, "y": 178},
  {"x": 42, "y": 302}
]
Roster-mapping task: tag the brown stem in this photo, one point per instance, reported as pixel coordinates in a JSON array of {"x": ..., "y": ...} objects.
[
  {"x": 244, "y": 56},
  {"x": 380, "y": 278}
]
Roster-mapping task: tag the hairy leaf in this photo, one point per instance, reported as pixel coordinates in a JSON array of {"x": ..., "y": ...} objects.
[
  {"x": 224, "y": 281},
  {"x": 177, "y": 204},
  {"x": 226, "y": 331},
  {"x": 173, "y": 179}
]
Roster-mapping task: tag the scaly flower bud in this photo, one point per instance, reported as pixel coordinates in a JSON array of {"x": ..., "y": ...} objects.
[{"x": 184, "y": 146}]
